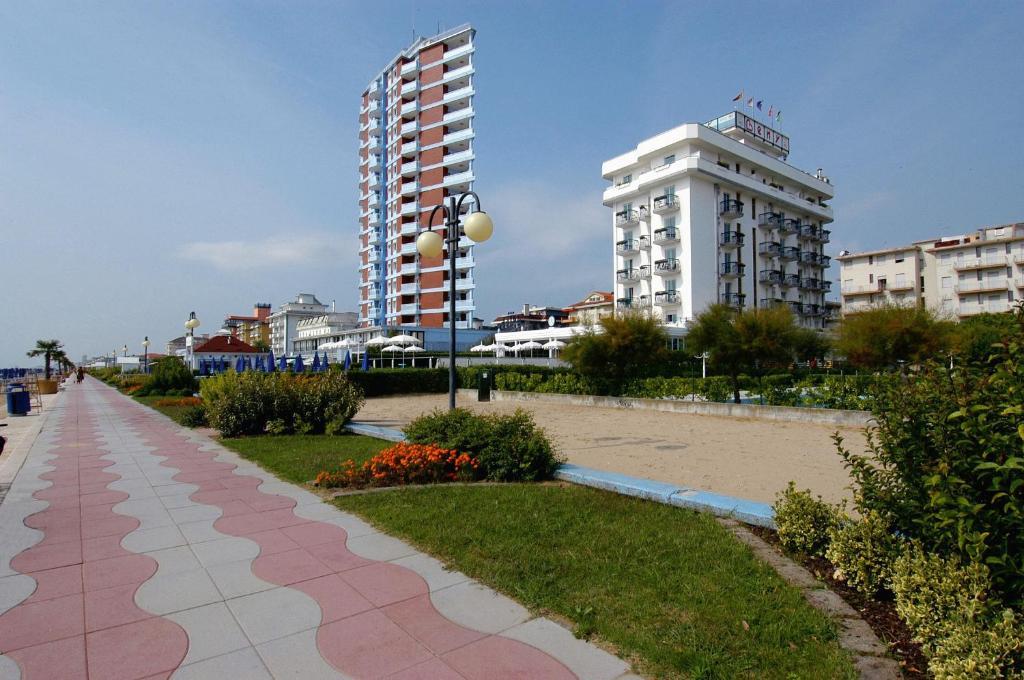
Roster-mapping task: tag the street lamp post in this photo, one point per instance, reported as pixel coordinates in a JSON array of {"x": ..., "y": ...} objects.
[
  {"x": 190, "y": 326},
  {"x": 145, "y": 354},
  {"x": 430, "y": 244},
  {"x": 125, "y": 350}
]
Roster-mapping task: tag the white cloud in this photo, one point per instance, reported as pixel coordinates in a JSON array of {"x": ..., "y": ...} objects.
[{"x": 285, "y": 250}]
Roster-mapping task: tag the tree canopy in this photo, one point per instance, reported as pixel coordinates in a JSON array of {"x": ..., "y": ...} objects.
[
  {"x": 886, "y": 335},
  {"x": 50, "y": 350},
  {"x": 628, "y": 346}
]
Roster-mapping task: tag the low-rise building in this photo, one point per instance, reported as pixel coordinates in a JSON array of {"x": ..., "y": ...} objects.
[
  {"x": 254, "y": 329},
  {"x": 593, "y": 308},
  {"x": 531, "y": 318},
  {"x": 223, "y": 348},
  {"x": 284, "y": 320},
  {"x": 314, "y": 331},
  {"x": 958, "y": 276}
]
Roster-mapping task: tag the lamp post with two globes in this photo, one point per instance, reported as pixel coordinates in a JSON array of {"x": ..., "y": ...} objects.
[
  {"x": 145, "y": 354},
  {"x": 478, "y": 228},
  {"x": 190, "y": 326}
]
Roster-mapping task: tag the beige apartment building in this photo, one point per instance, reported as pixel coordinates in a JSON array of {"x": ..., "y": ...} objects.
[{"x": 958, "y": 276}]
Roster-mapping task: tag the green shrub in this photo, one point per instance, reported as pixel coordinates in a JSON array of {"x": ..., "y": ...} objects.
[
  {"x": 246, "y": 403},
  {"x": 169, "y": 376},
  {"x": 509, "y": 448},
  {"x": 982, "y": 649},
  {"x": 715, "y": 388},
  {"x": 803, "y": 521},
  {"x": 382, "y": 382},
  {"x": 778, "y": 390},
  {"x": 935, "y": 593},
  {"x": 864, "y": 552},
  {"x": 194, "y": 416}
]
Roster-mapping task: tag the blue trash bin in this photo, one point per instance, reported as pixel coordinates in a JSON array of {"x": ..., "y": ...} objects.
[{"x": 18, "y": 403}]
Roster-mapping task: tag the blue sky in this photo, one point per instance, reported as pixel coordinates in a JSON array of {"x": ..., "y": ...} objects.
[{"x": 160, "y": 157}]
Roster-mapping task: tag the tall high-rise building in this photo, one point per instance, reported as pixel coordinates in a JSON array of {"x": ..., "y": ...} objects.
[
  {"x": 415, "y": 148},
  {"x": 712, "y": 213}
]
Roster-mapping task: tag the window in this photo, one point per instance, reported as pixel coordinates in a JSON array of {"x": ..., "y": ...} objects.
[
  {"x": 626, "y": 179},
  {"x": 669, "y": 222},
  {"x": 871, "y": 278},
  {"x": 670, "y": 318},
  {"x": 880, "y": 259},
  {"x": 871, "y": 259},
  {"x": 899, "y": 257},
  {"x": 670, "y": 191},
  {"x": 947, "y": 282},
  {"x": 901, "y": 280},
  {"x": 670, "y": 286},
  {"x": 670, "y": 159}
]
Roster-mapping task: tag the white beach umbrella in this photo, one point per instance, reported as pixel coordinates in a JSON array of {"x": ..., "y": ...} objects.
[
  {"x": 413, "y": 348},
  {"x": 553, "y": 344},
  {"x": 481, "y": 348},
  {"x": 529, "y": 345},
  {"x": 379, "y": 340},
  {"x": 404, "y": 340},
  {"x": 392, "y": 348}
]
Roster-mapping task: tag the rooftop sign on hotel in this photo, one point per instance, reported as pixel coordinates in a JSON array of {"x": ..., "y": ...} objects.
[{"x": 736, "y": 120}]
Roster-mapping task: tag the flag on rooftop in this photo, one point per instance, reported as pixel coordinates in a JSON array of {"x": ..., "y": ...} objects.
[
  {"x": 759, "y": 102},
  {"x": 750, "y": 102},
  {"x": 771, "y": 111},
  {"x": 738, "y": 97},
  {"x": 778, "y": 117}
]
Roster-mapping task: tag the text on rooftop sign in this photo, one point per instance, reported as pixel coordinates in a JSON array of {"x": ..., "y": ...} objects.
[{"x": 736, "y": 119}]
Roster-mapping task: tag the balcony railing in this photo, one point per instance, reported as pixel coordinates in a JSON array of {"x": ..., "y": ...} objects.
[
  {"x": 771, "y": 302},
  {"x": 731, "y": 269},
  {"x": 981, "y": 286},
  {"x": 626, "y": 218},
  {"x": 666, "y": 203},
  {"x": 773, "y": 276},
  {"x": 625, "y": 303},
  {"x": 981, "y": 262},
  {"x": 666, "y": 297},
  {"x": 791, "y": 280},
  {"x": 789, "y": 253},
  {"x": 632, "y": 245},
  {"x": 813, "y": 310},
  {"x": 796, "y": 307},
  {"x": 628, "y": 274},
  {"x": 810, "y": 284},
  {"x": 769, "y": 248},
  {"x": 809, "y": 257},
  {"x": 734, "y": 299},
  {"x": 789, "y": 226},
  {"x": 826, "y": 286},
  {"x": 666, "y": 266},
  {"x": 730, "y": 208},
  {"x": 769, "y": 220},
  {"x": 730, "y": 239},
  {"x": 666, "y": 235}
]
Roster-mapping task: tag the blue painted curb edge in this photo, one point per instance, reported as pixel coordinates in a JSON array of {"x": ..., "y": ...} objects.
[{"x": 751, "y": 512}]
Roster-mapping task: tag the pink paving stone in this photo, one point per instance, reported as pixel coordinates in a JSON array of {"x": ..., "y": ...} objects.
[
  {"x": 273, "y": 541},
  {"x": 112, "y": 607},
  {"x": 419, "y": 618},
  {"x": 64, "y": 659},
  {"x": 100, "y": 511},
  {"x": 268, "y": 502},
  {"x": 196, "y": 477},
  {"x": 315, "y": 533},
  {"x": 49, "y": 518},
  {"x": 61, "y": 502},
  {"x": 496, "y": 658},
  {"x": 384, "y": 584},
  {"x": 136, "y": 650},
  {"x": 58, "y": 582},
  {"x": 337, "y": 599},
  {"x": 39, "y": 622},
  {"x": 369, "y": 645},
  {"x": 117, "y": 571},
  {"x": 63, "y": 532},
  {"x": 435, "y": 669},
  {"x": 337, "y": 556},
  {"x": 102, "y": 548},
  {"x": 119, "y": 525},
  {"x": 104, "y": 498},
  {"x": 239, "y": 481},
  {"x": 97, "y": 477},
  {"x": 234, "y": 508},
  {"x": 289, "y": 567},
  {"x": 62, "y": 491},
  {"x": 46, "y": 555}
]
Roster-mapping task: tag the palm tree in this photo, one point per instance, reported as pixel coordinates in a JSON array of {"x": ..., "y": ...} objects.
[{"x": 48, "y": 349}]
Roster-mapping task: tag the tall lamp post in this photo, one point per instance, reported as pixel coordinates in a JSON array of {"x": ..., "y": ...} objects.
[
  {"x": 430, "y": 243},
  {"x": 190, "y": 326},
  {"x": 125, "y": 350},
  {"x": 145, "y": 354}
]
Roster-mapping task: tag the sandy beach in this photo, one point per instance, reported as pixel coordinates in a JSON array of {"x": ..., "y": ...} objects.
[{"x": 742, "y": 457}]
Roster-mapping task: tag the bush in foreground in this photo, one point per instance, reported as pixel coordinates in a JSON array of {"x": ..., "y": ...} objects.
[
  {"x": 803, "y": 521},
  {"x": 404, "y": 463},
  {"x": 863, "y": 552},
  {"x": 510, "y": 448},
  {"x": 252, "y": 403}
]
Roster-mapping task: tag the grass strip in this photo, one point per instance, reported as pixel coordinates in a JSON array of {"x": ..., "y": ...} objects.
[
  {"x": 670, "y": 589},
  {"x": 300, "y": 457}
]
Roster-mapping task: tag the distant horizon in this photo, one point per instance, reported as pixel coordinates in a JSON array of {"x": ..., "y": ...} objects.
[{"x": 163, "y": 158}]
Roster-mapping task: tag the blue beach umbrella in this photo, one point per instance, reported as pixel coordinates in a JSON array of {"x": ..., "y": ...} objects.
[
  {"x": 248, "y": 362},
  {"x": 299, "y": 366},
  {"x": 239, "y": 365},
  {"x": 366, "y": 361},
  {"x": 270, "y": 361},
  {"x": 348, "y": 360},
  {"x": 316, "y": 362},
  {"x": 282, "y": 364}
]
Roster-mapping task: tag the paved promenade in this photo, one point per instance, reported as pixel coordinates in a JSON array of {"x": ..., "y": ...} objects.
[{"x": 133, "y": 548}]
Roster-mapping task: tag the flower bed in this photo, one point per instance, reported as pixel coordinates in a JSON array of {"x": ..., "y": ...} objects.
[{"x": 404, "y": 463}]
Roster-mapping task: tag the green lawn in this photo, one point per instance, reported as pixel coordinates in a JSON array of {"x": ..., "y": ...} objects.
[
  {"x": 173, "y": 412},
  {"x": 299, "y": 457},
  {"x": 670, "y": 589}
]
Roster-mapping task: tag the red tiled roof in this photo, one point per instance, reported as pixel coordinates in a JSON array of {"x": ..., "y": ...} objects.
[
  {"x": 606, "y": 298},
  {"x": 225, "y": 344}
]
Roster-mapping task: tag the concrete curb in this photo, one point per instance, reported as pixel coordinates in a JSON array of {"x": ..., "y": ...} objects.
[
  {"x": 708, "y": 408},
  {"x": 367, "y": 430},
  {"x": 855, "y": 635}
]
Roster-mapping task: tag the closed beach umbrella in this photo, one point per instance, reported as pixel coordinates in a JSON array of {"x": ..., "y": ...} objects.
[
  {"x": 299, "y": 366},
  {"x": 348, "y": 360},
  {"x": 282, "y": 365},
  {"x": 270, "y": 361},
  {"x": 316, "y": 362},
  {"x": 366, "y": 361}
]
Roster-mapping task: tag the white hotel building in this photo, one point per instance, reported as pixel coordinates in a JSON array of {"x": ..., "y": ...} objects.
[
  {"x": 958, "y": 276},
  {"x": 708, "y": 213},
  {"x": 415, "y": 148}
]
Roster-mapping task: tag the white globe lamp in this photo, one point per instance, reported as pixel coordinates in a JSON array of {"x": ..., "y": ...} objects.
[
  {"x": 479, "y": 226},
  {"x": 429, "y": 244}
]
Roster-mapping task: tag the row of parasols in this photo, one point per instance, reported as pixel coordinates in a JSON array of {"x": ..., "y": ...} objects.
[
  {"x": 519, "y": 347},
  {"x": 265, "y": 365}
]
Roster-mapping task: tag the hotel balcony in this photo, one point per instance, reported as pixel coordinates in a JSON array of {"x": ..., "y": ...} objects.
[
  {"x": 455, "y": 95},
  {"x": 374, "y": 106},
  {"x": 789, "y": 253},
  {"x": 464, "y": 262},
  {"x": 850, "y": 291},
  {"x": 409, "y": 108},
  {"x": 796, "y": 307},
  {"x": 980, "y": 263},
  {"x": 626, "y": 275},
  {"x": 374, "y": 90},
  {"x": 373, "y": 127},
  {"x": 734, "y": 299},
  {"x": 373, "y": 239},
  {"x": 789, "y": 226},
  {"x": 627, "y": 218},
  {"x": 769, "y": 220},
  {"x": 771, "y": 302},
  {"x": 810, "y": 257},
  {"x": 769, "y": 248},
  {"x": 410, "y": 268},
  {"x": 410, "y": 188},
  {"x": 410, "y": 128},
  {"x": 410, "y": 208},
  {"x": 410, "y": 148},
  {"x": 666, "y": 267},
  {"x": 458, "y": 136},
  {"x": 730, "y": 209},
  {"x": 408, "y": 248},
  {"x": 812, "y": 232},
  {"x": 982, "y": 286},
  {"x": 666, "y": 298},
  {"x": 730, "y": 270},
  {"x": 409, "y": 229},
  {"x": 374, "y": 162},
  {"x": 810, "y": 284},
  {"x": 988, "y": 307},
  {"x": 772, "y": 276},
  {"x": 373, "y": 257},
  {"x": 374, "y": 218},
  {"x": 666, "y": 235},
  {"x": 642, "y": 302},
  {"x": 409, "y": 87},
  {"x": 632, "y": 245},
  {"x": 813, "y": 310},
  {"x": 373, "y": 201},
  {"x": 373, "y": 144},
  {"x": 666, "y": 204},
  {"x": 791, "y": 280},
  {"x": 410, "y": 167},
  {"x": 729, "y": 240},
  {"x": 625, "y": 303},
  {"x": 410, "y": 68},
  {"x": 373, "y": 182},
  {"x": 826, "y": 286}
]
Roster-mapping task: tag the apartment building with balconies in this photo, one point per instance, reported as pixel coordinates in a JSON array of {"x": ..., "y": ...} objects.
[
  {"x": 416, "y": 148},
  {"x": 285, "y": 319},
  {"x": 712, "y": 213},
  {"x": 958, "y": 276}
]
